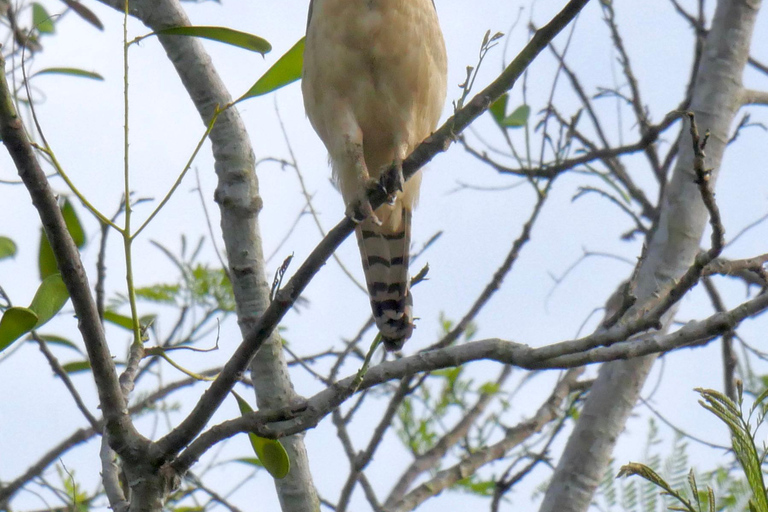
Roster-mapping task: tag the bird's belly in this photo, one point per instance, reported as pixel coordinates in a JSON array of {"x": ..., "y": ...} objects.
[{"x": 379, "y": 62}]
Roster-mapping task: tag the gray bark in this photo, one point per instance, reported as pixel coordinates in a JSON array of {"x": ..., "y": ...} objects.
[
  {"x": 717, "y": 96},
  {"x": 240, "y": 203}
]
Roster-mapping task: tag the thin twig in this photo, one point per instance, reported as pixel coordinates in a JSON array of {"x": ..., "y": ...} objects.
[
  {"x": 193, "y": 424},
  {"x": 64, "y": 376},
  {"x": 495, "y": 283},
  {"x": 729, "y": 356}
]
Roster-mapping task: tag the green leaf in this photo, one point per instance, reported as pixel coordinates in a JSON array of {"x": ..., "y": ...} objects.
[
  {"x": 84, "y": 13},
  {"x": 126, "y": 322},
  {"x": 517, "y": 118},
  {"x": 212, "y": 285},
  {"x": 269, "y": 451},
  {"x": 14, "y": 324},
  {"x": 7, "y": 248},
  {"x": 475, "y": 486},
  {"x": 498, "y": 109},
  {"x": 286, "y": 70},
  {"x": 74, "y": 226},
  {"x": 251, "y": 461},
  {"x": 76, "y": 366},
  {"x": 489, "y": 388},
  {"x": 46, "y": 259},
  {"x": 50, "y": 297},
  {"x": 81, "y": 73},
  {"x": 41, "y": 20},
  {"x": 53, "y": 339},
  {"x": 161, "y": 293},
  {"x": 222, "y": 35},
  {"x": 120, "y": 320}
]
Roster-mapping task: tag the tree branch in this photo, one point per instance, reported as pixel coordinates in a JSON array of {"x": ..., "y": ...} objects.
[
  {"x": 569, "y": 354},
  {"x": 514, "y": 436},
  {"x": 432, "y": 457},
  {"x": 753, "y": 97},
  {"x": 123, "y": 436},
  {"x": 438, "y": 142}
]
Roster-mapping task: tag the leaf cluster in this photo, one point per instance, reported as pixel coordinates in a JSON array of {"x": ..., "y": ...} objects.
[{"x": 750, "y": 459}]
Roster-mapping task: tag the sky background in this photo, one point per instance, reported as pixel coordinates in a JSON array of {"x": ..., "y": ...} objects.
[{"x": 83, "y": 122}]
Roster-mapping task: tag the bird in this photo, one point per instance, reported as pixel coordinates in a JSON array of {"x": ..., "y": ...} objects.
[{"x": 374, "y": 83}]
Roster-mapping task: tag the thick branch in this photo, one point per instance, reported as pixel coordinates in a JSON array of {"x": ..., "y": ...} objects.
[
  {"x": 308, "y": 415},
  {"x": 436, "y": 143},
  {"x": 753, "y": 97},
  {"x": 671, "y": 249},
  {"x": 84, "y": 434},
  {"x": 123, "y": 436}
]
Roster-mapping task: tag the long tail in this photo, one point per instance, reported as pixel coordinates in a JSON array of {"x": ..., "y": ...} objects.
[{"x": 384, "y": 250}]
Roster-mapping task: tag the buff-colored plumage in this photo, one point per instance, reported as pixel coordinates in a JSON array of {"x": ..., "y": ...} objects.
[{"x": 374, "y": 85}]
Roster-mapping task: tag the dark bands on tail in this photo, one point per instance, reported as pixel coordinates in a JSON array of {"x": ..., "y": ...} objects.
[
  {"x": 378, "y": 260},
  {"x": 368, "y": 234},
  {"x": 385, "y": 262},
  {"x": 377, "y": 288}
]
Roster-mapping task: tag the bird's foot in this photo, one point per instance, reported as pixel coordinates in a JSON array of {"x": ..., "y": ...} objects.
[
  {"x": 392, "y": 180},
  {"x": 360, "y": 208}
]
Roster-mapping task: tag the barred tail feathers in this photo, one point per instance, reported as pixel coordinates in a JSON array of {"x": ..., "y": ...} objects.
[{"x": 385, "y": 254}]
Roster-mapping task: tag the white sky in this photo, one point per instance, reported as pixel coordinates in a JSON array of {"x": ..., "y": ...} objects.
[{"x": 83, "y": 122}]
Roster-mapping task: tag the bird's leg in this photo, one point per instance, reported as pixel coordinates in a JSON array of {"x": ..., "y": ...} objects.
[
  {"x": 359, "y": 205},
  {"x": 392, "y": 179}
]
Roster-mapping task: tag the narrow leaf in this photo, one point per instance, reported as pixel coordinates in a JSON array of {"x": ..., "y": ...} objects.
[
  {"x": 14, "y": 324},
  {"x": 84, "y": 13},
  {"x": 50, "y": 297},
  {"x": 76, "y": 366},
  {"x": 517, "y": 118},
  {"x": 41, "y": 20},
  {"x": 222, "y": 35},
  {"x": 80, "y": 73},
  {"x": 53, "y": 339},
  {"x": 251, "y": 461},
  {"x": 72, "y": 221},
  {"x": 123, "y": 321},
  {"x": 286, "y": 70},
  {"x": 498, "y": 109},
  {"x": 269, "y": 451},
  {"x": 7, "y": 248},
  {"x": 694, "y": 487},
  {"x": 46, "y": 260},
  {"x": 759, "y": 400}
]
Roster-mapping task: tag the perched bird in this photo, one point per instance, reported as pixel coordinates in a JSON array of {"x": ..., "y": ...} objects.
[{"x": 374, "y": 84}]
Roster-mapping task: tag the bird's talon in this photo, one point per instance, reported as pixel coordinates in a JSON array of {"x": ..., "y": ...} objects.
[
  {"x": 392, "y": 180},
  {"x": 361, "y": 209},
  {"x": 373, "y": 185}
]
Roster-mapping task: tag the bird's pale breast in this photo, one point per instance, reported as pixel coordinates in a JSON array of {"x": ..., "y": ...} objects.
[{"x": 381, "y": 58}]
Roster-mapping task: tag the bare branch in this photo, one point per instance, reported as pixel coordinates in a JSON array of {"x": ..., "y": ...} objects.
[
  {"x": 60, "y": 373},
  {"x": 729, "y": 356},
  {"x": 607, "y": 345},
  {"x": 514, "y": 436},
  {"x": 126, "y": 440},
  {"x": 436, "y": 143},
  {"x": 753, "y": 97},
  {"x": 432, "y": 457},
  {"x": 495, "y": 283}
]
